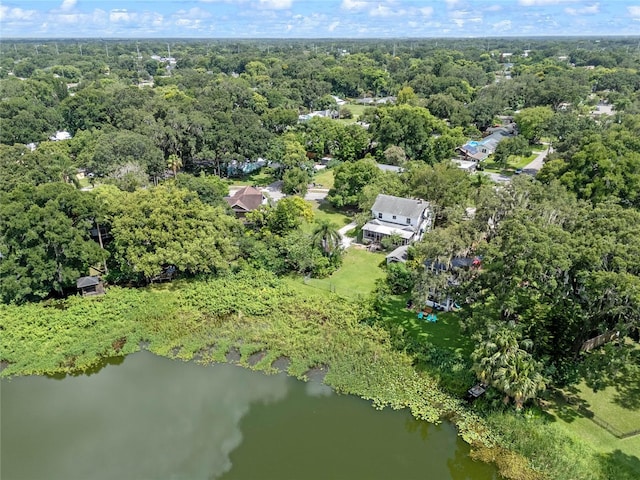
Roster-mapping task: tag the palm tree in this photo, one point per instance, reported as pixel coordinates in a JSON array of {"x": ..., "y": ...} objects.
[
  {"x": 500, "y": 361},
  {"x": 174, "y": 163},
  {"x": 326, "y": 236},
  {"x": 520, "y": 378}
]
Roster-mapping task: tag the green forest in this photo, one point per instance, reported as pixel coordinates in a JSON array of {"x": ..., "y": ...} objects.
[{"x": 118, "y": 158}]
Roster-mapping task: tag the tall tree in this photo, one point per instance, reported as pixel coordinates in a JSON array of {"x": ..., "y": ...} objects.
[
  {"x": 45, "y": 240},
  {"x": 501, "y": 361},
  {"x": 534, "y": 122},
  {"x": 326, "y": 236},
  {"x": 174, "y": 162},
  {"x": 163, "y": 226}
]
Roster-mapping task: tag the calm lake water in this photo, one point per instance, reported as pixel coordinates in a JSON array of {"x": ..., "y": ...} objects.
[{"x": 148, "y": 417}]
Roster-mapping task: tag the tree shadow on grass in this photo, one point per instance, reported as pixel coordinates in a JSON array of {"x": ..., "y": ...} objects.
[
  {"x": 326, "y": 207},
  {"x": 569, "y": 406},
  {"x": 620, "y": 466},
  {"x": 628, "y": 390}
]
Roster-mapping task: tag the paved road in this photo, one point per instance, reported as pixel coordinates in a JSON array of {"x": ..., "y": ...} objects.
[
  {"x": 530, "y": 169},
  {"x": 498, "y": 177},
  {"x": 534, "y": 167}
]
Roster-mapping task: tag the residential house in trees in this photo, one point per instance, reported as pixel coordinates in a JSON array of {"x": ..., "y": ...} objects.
[
  {"x": 407, "y": 218},
  {"x": 479, "y": 150},
  {"x": 246, "y": 200}
]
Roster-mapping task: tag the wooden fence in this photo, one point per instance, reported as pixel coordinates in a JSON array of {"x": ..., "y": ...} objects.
[{"x": 600, "y": 340}]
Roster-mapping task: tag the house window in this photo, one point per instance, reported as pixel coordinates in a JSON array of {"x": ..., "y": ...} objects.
[
  {"x": 408, "y": 221},
  {"x": 379, "y": 215},
  {"x": 394, "y": 217}
]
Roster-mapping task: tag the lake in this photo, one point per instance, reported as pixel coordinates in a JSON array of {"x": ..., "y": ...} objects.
[{"x": 149, "y": 417}]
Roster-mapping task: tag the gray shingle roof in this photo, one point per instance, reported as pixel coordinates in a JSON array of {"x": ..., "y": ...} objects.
[
  {"x": 84, "y": 282},
  {"x": 403, "y": 207}
]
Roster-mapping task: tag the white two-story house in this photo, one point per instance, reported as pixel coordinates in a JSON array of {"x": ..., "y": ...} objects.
[{"x": 408, "y": 218}]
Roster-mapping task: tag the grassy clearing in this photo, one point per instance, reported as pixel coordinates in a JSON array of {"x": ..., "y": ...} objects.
[
  {"x": 445, "y": 333},
  {"x": 520, "y": 162},
  {"x": 324, "y": 178},
  {"x": 356, "y": 277},
  {"x": 356, "y": 110},
  {"x": 259, "y": 178},
  {"x": 323, "y": 210},
  {"x": 581, "y": 412},
  {"x": 607, "y": 405}
]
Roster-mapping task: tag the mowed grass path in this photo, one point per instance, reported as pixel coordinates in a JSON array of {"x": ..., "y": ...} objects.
[{"x": 357, "y": 275}]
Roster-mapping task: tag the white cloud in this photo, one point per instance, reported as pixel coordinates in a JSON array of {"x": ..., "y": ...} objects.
[
  {"x": 451, "y": 3},
  {"x": 502, "y": 26},
  {"x": 542, "y": 3},
  {"x": 353, "y": 5},
  {"x": 71, "y": 18},
  {"x": 13, "y": 14},
  {"x": 121, "y": 15},
  {"x": 493, "y": 8},
  {"x": 194, "y": 13},
  {"x": 634, "y": 11},
  {"x": 386, "y": 11},
  {"x": 426, "y": 11},
  {"x": 275, "y": 4},
  {"x": 68, "y": 5},
  {"x": 99, "y": 16},
  {"x": 333, "y": 26},
  {"x": 589, "y": 10}
]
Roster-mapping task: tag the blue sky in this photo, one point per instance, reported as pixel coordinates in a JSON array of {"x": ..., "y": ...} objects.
[{"x": 316, "y": 18}]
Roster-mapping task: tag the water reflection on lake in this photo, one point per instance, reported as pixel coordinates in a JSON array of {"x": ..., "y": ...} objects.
[{"x": 154, "y": 418}]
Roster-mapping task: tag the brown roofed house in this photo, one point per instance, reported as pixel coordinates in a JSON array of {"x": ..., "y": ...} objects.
[{"x": 245, "y": 200}]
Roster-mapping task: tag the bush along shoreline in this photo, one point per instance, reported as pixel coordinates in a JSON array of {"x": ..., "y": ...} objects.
[{"x": 254, "y": 312}]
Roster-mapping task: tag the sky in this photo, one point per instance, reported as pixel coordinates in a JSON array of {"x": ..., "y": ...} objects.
[{"x": 315, "y": 18}]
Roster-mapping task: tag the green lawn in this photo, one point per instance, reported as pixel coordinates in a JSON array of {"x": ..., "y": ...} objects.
[
  {"x": 324, "y": 178},
  {"x": 323, "y": 210},
  {"x": 520, "y": 162},
  {"x": 613, "y": 407},
  {"x": 356, "y": 110},
  {"x": 259, "y": 178},
  {"x": 579, "y": 416},
  {"x": 444, "y": 333},
  {"x": 357, "y": 275}
]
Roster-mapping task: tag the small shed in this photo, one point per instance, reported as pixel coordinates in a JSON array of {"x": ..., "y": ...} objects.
[
  {"x": 399, "y": 255},
  {"x": 90, "y": 286},
  {"x": 476, "y": 391}
]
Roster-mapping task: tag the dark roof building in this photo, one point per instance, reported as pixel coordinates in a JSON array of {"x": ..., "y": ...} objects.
[
  {"x": 90, "y": 286},
  {"x": 245, "y": 200}
]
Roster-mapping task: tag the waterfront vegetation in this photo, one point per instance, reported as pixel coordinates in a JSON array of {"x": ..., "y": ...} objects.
[
  {"x": 558, "y": 263},
  {"x": 386, "y": 356}
]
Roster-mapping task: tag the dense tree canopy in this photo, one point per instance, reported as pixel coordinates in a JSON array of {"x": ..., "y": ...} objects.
[
  {"x": 559, "y": 253},
  {"x": 45, "y": 240},
  {"x": 167, "y": 226}
]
